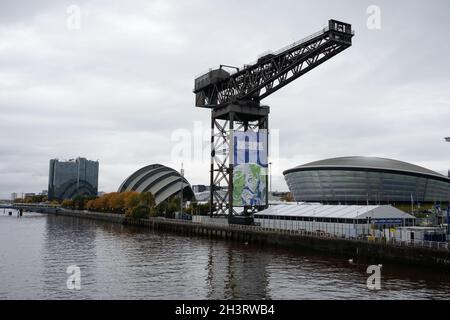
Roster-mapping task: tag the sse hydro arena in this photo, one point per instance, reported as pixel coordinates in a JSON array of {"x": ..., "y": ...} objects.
[{"x": 362, "y": 180}]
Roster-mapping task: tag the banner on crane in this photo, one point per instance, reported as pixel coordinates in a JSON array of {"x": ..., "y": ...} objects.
[{"x": 249, "y": 157}]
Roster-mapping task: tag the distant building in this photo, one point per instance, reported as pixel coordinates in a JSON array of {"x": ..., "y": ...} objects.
[
  {"x": 366, "y": 180},
  {"x": 68, "y": 179},
  {"x": 277, "y": 196},
  {"x": 203, "y": 193},
  {"x": 200, "y": 188},
  {"x": 13, "y": 196},
  {"x": 44, "y": 193},
  {"x": 29, "y": 194},
  {"x": 163, "y": 182},
  {"x": 338, "y": 220}
]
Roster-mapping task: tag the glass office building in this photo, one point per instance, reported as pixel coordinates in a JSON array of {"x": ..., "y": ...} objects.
[
  {"x": 68, "y": 179},
  {"x": 362, "y": 180}
]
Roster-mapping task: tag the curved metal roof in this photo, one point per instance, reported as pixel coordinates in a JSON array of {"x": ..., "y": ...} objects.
[
  {"x": 163, "y": 182},
  {"x": 370, "y": 163}
]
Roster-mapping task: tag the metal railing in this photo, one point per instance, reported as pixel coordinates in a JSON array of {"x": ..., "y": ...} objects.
[
  {"x": 277, "y": 52},
  {"x": 291, "y": 232},
  {"x": 323, "y": 235},
  {"x": 301, "y": 41}
]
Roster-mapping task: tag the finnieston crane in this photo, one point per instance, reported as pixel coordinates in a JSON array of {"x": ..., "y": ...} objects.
[{"x": 234, "y": 96}]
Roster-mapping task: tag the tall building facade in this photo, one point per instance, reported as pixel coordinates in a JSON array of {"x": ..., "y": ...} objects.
[{"x": 68, "y": 179}]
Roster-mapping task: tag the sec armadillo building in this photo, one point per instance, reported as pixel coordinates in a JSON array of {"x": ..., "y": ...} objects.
[
  {"x": 163, "y": 182},
  {"x": 362, "y": 180}
]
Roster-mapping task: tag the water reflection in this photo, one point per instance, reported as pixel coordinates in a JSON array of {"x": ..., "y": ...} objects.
[
  {"x": 236, "y": 274},
  {"x": 122, "y": 262},
  {"x": 67, "y": 241}
]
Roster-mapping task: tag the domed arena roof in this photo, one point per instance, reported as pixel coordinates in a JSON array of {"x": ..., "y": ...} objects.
[
  {"x": 163, "y": 182},
  {"x": 369, "y": 163}
]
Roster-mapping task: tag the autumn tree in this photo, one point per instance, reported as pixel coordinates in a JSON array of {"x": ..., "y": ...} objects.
[
  {"x": 80, "y": 201},
  {"x": 131, "y": 199},
  {"x": 90, "y": 205},
  {"x": 288, "y": 197},
  {"x": 68, "y": 203},
  {"x": 169, "y": 207},
  {"x": 132, "y": 204},
  {"x": 145, "y": 208},
  {"x": 116, "y": 202}
]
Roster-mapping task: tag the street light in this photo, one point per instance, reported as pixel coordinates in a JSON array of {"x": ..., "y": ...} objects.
[
  {"x": 270, "y": 177},
  {"x": 448, "y": 206},
  {"x": 181, "y": 190}
]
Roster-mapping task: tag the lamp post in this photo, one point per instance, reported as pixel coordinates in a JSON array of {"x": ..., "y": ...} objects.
[
  {"x": 448, "y": 205},
  {"x": 181, "y": 190},
  {"x": 270, "y": 177}
]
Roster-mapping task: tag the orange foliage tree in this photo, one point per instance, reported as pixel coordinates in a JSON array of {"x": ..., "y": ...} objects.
[{"x": 132, "y": 204}]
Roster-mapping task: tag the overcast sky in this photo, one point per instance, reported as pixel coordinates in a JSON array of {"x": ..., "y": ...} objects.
[{"x": 119, "y": 88}]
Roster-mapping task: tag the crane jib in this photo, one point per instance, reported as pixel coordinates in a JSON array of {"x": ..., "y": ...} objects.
[{"x": 272, "y": 71}]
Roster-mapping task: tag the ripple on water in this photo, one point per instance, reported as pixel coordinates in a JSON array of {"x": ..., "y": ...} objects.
[{"x": 120, "y": 262}]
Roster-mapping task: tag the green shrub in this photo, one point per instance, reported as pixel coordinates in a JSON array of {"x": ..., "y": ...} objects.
[{"x": 139, "y": 212}]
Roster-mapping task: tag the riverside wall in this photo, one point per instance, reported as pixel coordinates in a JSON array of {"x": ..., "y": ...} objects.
[{"x": 376, "y": 252}]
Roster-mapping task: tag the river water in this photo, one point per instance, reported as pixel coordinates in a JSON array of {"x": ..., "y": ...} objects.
[{"x": 122, "y": 262}]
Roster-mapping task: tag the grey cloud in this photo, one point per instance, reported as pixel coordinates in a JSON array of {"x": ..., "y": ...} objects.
[{"x": 117, "y": 88}]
